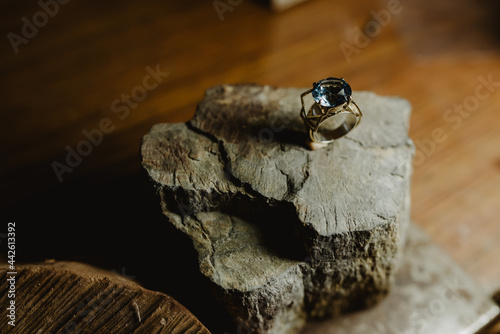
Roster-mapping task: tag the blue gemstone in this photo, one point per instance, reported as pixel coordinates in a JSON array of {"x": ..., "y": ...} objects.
[{"x": 331, "y": 92}]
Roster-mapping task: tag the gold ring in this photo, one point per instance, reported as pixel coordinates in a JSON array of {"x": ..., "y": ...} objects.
[{"x": 332, "y": 113}]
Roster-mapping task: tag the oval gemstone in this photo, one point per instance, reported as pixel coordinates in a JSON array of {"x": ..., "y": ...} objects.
[{"x": 331, "y": 92}]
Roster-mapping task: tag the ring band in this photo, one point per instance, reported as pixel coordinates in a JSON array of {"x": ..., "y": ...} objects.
[{"x": 333, "y": 114}]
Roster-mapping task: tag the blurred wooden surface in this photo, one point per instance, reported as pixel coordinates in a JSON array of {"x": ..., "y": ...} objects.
[{"x": 65, "y": 79}]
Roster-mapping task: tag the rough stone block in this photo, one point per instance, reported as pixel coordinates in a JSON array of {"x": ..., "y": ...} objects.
[{"x": 286, "y": 234}]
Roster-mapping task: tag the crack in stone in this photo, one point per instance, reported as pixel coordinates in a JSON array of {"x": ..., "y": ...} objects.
[
  {"x": 225, "y": 160},
  {"x": 208, "y": 135},
  {"x": 174, "y": 177},
  {"x": 212, "y": 253},
  {"x": 397, "y": 174},
  {"x": 232, "y": 231},
  {"x": 307, "y": 173},
  {"x": 383, "y": 218},
  {"x": 289, "y": 183},
  {"x": 327, "y": 222},
  {"x": 226, "y": 163},
  {"x": 355, "y": 141},
  {"x": 336, "y": 217},
  {"x": 294, "y": 187}
]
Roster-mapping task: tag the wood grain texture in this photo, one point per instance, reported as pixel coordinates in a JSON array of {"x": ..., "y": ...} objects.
[
  {"x": 66, "y": 77},
  {"x": 70, "y": 297}
]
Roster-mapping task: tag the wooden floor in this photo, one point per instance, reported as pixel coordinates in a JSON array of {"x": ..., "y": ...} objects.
[{"x": 79, "y": 67}]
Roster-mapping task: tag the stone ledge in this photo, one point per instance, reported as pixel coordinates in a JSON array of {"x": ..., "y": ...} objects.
[{"x": 286, "y": 233}]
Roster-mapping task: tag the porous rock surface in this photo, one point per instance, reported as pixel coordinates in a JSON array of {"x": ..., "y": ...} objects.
[{"x": 286, "y": 234}]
